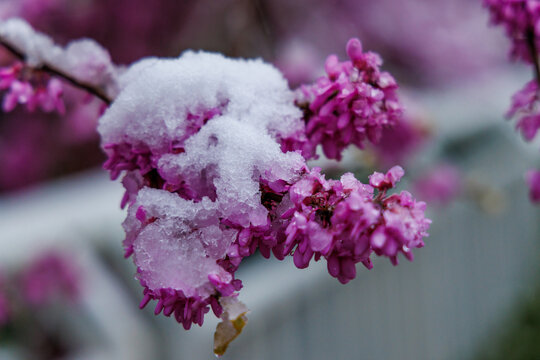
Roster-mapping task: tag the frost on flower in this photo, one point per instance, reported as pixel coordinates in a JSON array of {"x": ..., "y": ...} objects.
[
  {"x": 212, "y": 154},
  {"x": 352, "y": 103},
  {"x": 202, "y": 143},
  {"x": 197, "y": 138}
]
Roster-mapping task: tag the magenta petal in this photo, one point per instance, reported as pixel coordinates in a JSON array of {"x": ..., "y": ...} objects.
[
  {"x": 333, "y": 266},
  {"x": 354, "y": 49}
]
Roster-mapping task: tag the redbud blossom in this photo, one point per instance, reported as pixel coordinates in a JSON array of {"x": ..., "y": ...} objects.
[
  {"x": 439, "y": 185},
  {"x": 209, "y": 181},
  {"x": 521, "y": 21},
  {"x": 351, "y": 104},
  {"x": 31, "y": 88}
]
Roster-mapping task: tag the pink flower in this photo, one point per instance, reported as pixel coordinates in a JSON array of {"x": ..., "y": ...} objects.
[
  {"x": 352, "y": 103},
  {"x": 521, "y": 20},
  {"x": 533, "y": 180},
  {"x": 210, "y": 178},
  {"x": 383, "y": 182},
  {"x": 50, "y": 98},
  {"x": 525, "y": 106},
  {"x": 32, "y": 88},
  {"x": 529, "y": 126},
  {"x": 19, "y": 93},
  {"x": 399, "y": 142},
  {"x": 139, "y": 163},
  {"x": 9, "y": 74},
  {"x": 402, "y": 228},
  {"x": 189, "y": 310},
  {"x": 298, "y": 62},
  {"x": 343, "y": 222},
  {"x": 50, "y": 277},
  {"x": 524, "y": 100},
  {"x": 439, "y": 185}
]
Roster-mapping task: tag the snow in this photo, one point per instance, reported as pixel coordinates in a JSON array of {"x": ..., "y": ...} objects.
[
  {"x": 85, "y": 60},
  {"x": 223, "y": 157}
]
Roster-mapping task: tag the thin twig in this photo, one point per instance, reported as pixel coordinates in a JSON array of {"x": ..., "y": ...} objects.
[
  {"x": 97, "y": 92},
  {"x": 534, "y": 53},
  {"x": 265, "y": 22}
]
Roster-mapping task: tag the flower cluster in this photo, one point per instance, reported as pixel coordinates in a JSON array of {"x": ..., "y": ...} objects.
[
  {"x": 352, "y": 103},
  {"x": 128, "y": 157},
  {"x": 30, "y": 87},
  {"x": 345, "y": 223},
  {"x": 525, "y": 105},
  {"x": 209, "y": 181},
  {"x": 521, "y": 20},
  {"x": 203, "y": 171},
  {"x": 213, "y": 157}
]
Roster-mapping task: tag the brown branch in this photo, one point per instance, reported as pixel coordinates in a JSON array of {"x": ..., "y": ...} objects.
[
  {"x": 264, "y": 21},
  {"x": 97, "y": 92},
  {"x": 534, "y": 53}
]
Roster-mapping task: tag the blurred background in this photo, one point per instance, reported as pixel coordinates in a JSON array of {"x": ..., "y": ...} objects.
[{"x": 473, "y": 292}]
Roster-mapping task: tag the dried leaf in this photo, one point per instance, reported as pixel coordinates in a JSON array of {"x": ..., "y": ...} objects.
[{"x": 233, "y": 321}]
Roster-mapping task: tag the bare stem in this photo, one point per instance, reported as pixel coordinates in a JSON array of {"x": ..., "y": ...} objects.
[
  {"x": 265, "y": 22},
  {"x": 97, "y": 92},
  {"x": 534, "y": 53}
]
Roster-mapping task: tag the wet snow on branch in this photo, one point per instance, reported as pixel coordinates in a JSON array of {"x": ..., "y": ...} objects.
[{"x": 84, "y": 60}]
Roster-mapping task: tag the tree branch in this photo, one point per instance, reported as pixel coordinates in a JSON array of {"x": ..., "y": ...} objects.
[
  {"x": 534, "y": 54},
  {"x": 97, "y": 92}
]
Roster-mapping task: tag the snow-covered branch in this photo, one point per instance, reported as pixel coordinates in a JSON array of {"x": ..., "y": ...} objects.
[{"x": 82, "y": 63}]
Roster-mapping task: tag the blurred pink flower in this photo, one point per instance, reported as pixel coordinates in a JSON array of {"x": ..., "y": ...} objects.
[
  {"x": 5, "y": 311},
  {"x": 31, "y": 88},
  {"x": 533, "y": 180},
  {"x": 439, "y": 185},
  {"x": 50, "y": 277}
]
